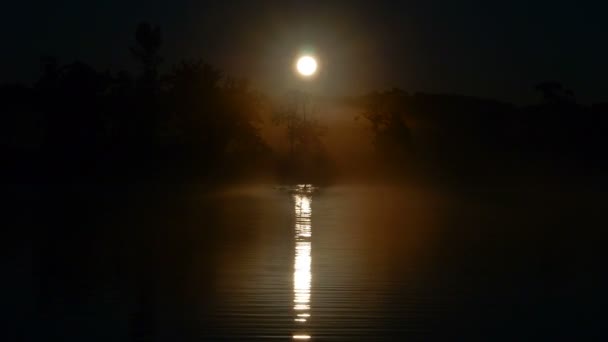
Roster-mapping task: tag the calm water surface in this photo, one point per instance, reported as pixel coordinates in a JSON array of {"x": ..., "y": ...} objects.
[
  {"x": 328, "y": 265},
  {"x": 344, "y": 263}
]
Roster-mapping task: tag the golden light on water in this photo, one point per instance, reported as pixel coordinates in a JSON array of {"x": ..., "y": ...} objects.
[
  {"x": 302, "y": 275},
  {"x": 306, "y": 65}
]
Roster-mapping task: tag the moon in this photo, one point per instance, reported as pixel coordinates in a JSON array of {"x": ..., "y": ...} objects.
[{"x": 306, "y": 66}]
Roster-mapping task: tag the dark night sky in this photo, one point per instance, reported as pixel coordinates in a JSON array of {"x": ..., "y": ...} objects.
[{"x": 484, "y": 48}]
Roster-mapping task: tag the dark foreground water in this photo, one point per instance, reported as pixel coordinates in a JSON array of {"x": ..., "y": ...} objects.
[{"x": 346, "y": 263}]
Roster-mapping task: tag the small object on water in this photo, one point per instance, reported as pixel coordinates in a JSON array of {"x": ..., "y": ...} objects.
[{"x": 298, "y": 188}]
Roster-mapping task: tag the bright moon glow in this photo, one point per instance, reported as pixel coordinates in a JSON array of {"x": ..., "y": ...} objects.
[{"x": 306, "y": 65}]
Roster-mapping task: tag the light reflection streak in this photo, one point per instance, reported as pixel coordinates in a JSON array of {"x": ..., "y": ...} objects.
[{"x": 302, "y": 275}]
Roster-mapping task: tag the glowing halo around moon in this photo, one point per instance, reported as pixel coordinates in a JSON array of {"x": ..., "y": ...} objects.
[{"x": 306, "y": 66}]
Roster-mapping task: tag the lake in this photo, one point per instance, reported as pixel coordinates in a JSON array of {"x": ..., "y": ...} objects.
[{"x": 344, "y": 263}]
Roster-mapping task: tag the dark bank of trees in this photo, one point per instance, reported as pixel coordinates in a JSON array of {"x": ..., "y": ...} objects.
[
  {"x": 467, "y": 138},
  {"x": 79, "y": 123}
]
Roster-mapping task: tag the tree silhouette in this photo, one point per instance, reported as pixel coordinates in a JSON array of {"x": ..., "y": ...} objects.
[
  {"x": 386, "y": 114},
  {"x": 306, "y": 155},
  {"x": 146, "y": 51},
  {"x": 554, "y": 92}
]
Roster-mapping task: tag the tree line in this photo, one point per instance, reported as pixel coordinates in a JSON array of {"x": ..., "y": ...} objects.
[
  {"x": 76, "y": 122},
  {"x": 461, "y": 136}
]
